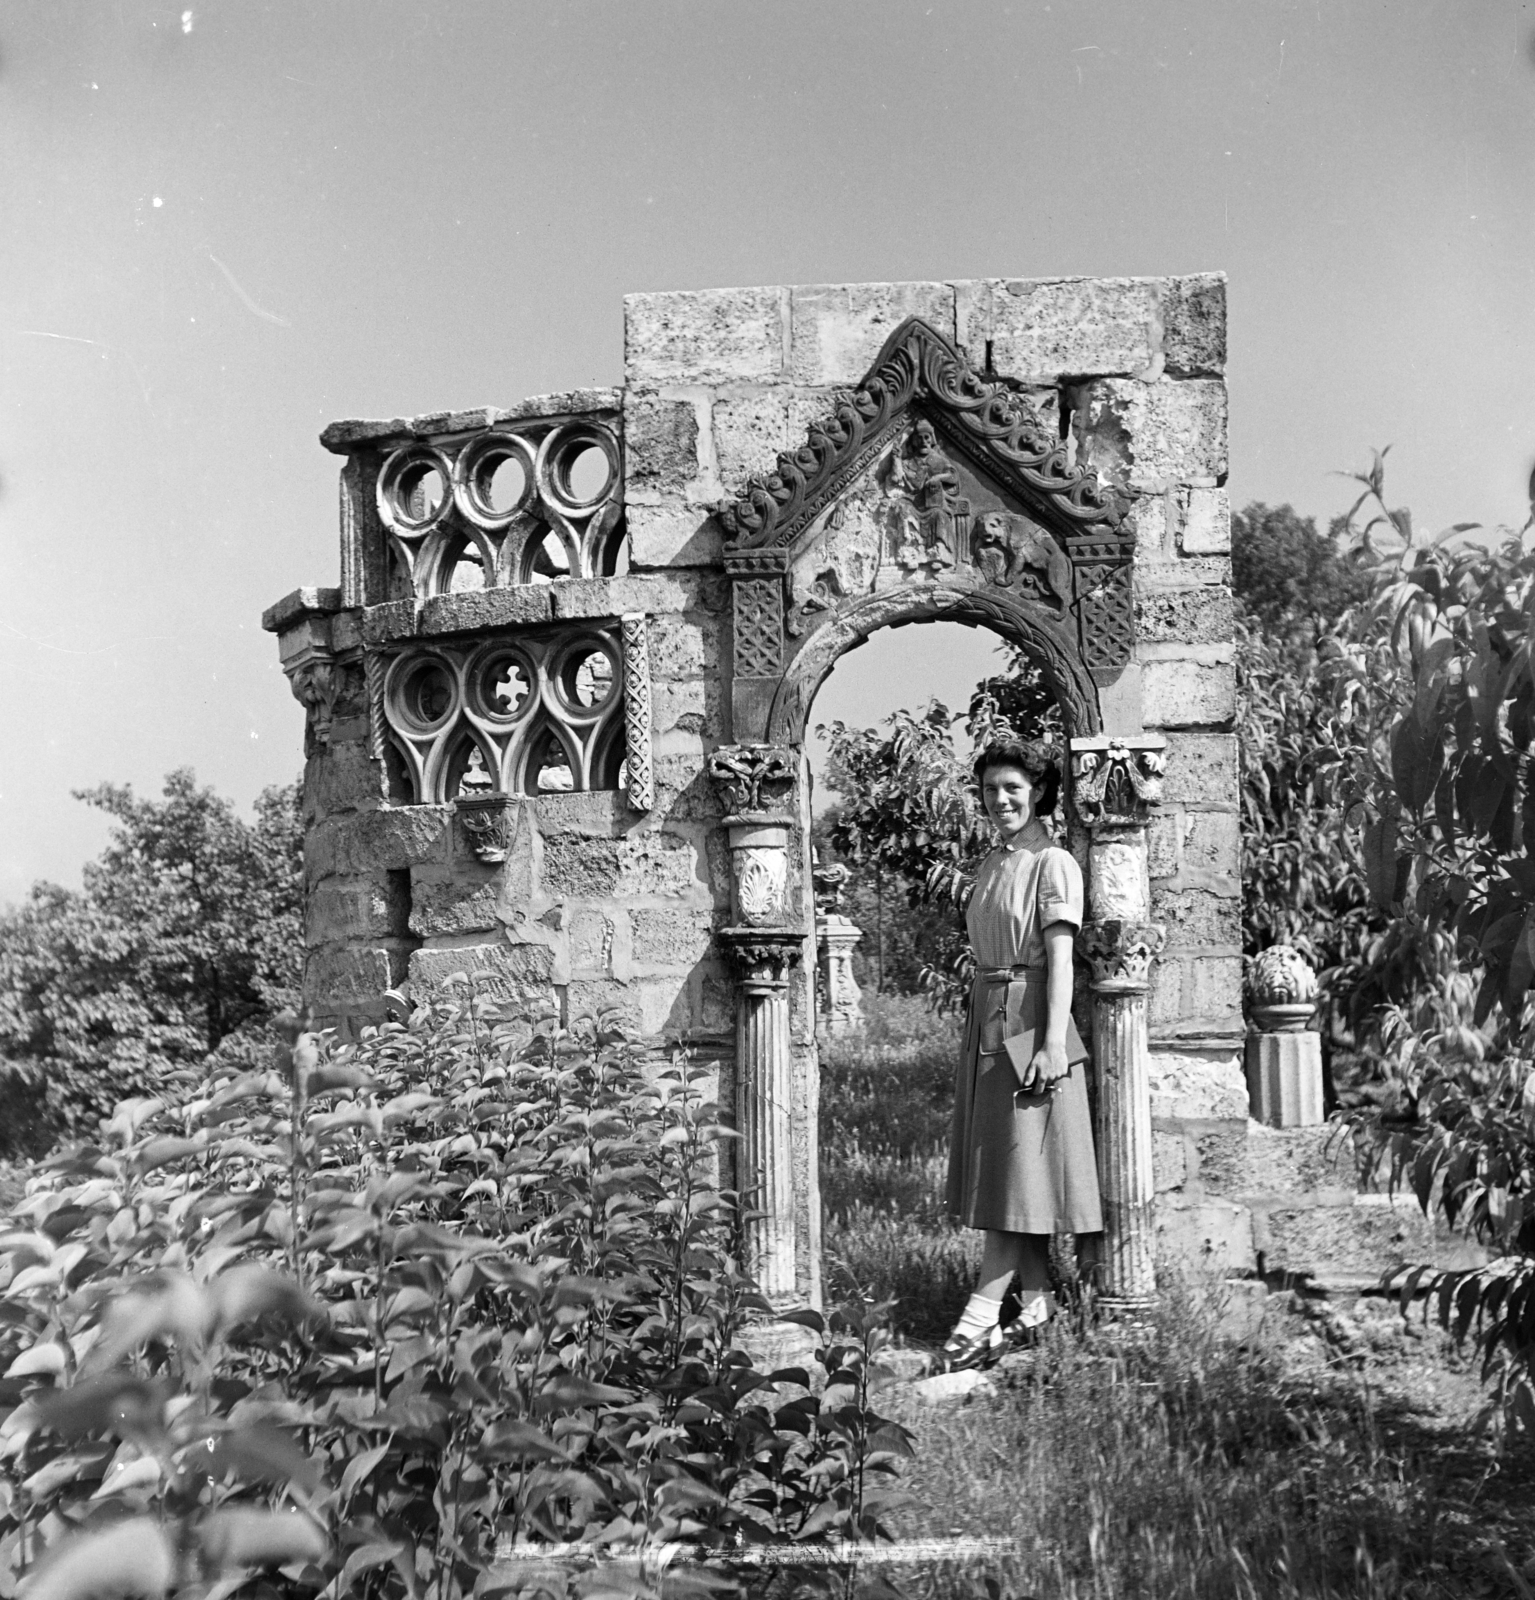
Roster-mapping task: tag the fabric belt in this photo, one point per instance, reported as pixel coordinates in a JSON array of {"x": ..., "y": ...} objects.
[{"x": 1005, "y": 974}]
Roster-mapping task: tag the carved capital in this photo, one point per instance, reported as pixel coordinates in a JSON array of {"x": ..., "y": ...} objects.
[
  {"x": 1121, "y": 953},
  {"x": 763, "y": 957},
  {"x": 755, "y": 778},
  {"x": 1117, "y": 782},
  {"x": 484, "y": 818},
  {"x": 316, "y": 685}
]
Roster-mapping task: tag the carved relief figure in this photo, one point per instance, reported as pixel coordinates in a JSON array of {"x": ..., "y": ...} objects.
[
  {"x": 829, "y": 575},
  {"x": 930, "y": 520},
  {"x": 1010, "y": 550}
]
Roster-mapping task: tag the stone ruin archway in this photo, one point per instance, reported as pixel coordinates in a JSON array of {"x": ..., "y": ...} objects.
[{"x": 588, "y": 786}]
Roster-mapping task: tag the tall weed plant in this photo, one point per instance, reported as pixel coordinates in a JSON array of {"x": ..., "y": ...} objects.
[
  {"x": 356, "y": 1318},
  {"x": 887, "y": 1095}
]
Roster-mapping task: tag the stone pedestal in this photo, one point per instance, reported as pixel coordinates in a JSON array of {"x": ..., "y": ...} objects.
[
  {"x": 1284, "y": 1058},
  {"x": 836, "y": 937},
  {"x": 1284, "y": 1079}
]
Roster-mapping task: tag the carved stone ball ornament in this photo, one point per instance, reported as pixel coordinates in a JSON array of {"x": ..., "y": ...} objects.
[
  {"x": 1120, "y": 954},
  {"x": 754, "y": 779},
  {"x": 1117, "y": 781},
  {"x": 1281, "y": 989},
  {"x": 829, "y": 882},
  {"x": 484, "y": 818}
]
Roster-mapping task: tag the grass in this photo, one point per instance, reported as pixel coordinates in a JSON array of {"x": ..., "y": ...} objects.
[{"x": 1307, "y": 1462}]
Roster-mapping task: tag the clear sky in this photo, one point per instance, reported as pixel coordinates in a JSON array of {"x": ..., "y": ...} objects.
[{"x": 222, "y": 226}]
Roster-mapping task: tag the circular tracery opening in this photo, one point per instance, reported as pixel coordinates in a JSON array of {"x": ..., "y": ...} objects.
[
  {"x": 413, "y": 488},
  {"x": 503, "y": 685},
  {"x": 587, "y": 675},
  {"x": 580, "y": 467},
  {"x": 426, "y": 694},
  {"x": 497, "y": 477}
]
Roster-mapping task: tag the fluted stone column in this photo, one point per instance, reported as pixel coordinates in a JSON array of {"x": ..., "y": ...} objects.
[
  {"x": 756, "y": 783},
  {"x": 1115, "y": 784}
]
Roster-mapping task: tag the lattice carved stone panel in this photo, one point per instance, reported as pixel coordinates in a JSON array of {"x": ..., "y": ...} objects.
[
  {"x": 535, "y": 714},
  {"x": 526, "y": 502},
  {"x": 1105, "y": 605},
  {"x": 758, "y": 627}
]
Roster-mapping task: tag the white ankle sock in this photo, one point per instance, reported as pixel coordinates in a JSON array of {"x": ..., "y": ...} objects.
[
  {"x": 980, "y": 1314},
  {"x": 1037, "y": 1309}
]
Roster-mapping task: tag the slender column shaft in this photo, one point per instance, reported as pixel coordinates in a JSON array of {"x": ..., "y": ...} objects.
[
  {"x": 1124, "y": 1148},
  {"x": 764, "y": 1152}
]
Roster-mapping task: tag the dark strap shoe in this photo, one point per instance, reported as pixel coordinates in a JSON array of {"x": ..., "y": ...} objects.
[{"x": 960, "y": 1352}]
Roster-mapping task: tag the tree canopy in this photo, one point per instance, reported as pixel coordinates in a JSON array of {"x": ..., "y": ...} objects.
[{"x": 186, "y": 932}]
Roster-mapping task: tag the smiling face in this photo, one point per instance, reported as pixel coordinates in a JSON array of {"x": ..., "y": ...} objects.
[{"x": 1008, "y": 795}]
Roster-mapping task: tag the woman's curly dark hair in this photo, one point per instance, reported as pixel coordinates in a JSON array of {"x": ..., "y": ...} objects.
[{"x": 1036, "y": 757}]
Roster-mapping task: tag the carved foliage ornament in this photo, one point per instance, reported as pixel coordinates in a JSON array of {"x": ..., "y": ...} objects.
[
  {"x": 763, "y": 959},
  {"x": 1116, "y": 781},
  {"x": 484, "y": 820},
  {"x": 774, "y": 508},
  {"x": 754, "y": 777},
  {"x": 1120, "y": 954}
]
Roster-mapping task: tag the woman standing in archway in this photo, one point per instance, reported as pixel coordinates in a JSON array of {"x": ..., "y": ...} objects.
[{"x": 1021, "y": 1161}]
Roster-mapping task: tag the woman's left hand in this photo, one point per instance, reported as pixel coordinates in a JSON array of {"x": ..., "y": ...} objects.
[{"x": 1048, "y": 1068}]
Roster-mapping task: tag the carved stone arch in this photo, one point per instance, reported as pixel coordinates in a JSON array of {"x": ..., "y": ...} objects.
[
  {"x": 932, "y": 490},
  {"x": 1015, "y": 621}
]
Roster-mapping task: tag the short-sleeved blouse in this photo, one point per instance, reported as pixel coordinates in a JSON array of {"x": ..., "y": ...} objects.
[{"x": 1020, "y": 889}]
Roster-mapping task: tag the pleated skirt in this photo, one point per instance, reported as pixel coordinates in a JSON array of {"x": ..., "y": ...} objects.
[{"x": 1019, "y": 1163}]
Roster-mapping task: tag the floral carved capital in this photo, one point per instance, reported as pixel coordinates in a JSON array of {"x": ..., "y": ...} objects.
[
  {"x": 484, "y": 819},
  {"x": 763, "y": 957},
  {"x": 316, "y": 685},
  {"x": 754, "y": 778},
  {"x": 1117, "y": 782},
  {"x": 1120, "y": 954}
]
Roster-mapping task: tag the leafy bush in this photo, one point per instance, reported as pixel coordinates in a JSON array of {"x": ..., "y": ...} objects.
[
  {"x": 184, "y": 938},
  {"x": 363, "y": 1315}
]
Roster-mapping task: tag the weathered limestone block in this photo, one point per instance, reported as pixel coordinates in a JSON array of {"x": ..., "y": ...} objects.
[
  {"x": 1363, "y": 1238},
  {"x": 1197, "y": 919},
  {"x": 751, "y": 429},
  {"x": 488, "y": 608},
  {"x": 1213, "y": 989},
  {"x": 444, "y": 904},
  {"x": 1206, "y": 529},
  {"x": 1187, "y": 693},
  {"x": 346, "y": 976},
  {"x": 341, "y": 778},
  {"x": 522, "y": 972},
  {"x": 661, "y": 446},
  {"x": 654, "y": 594},
  {"x": 1201, "y": 615},
  {"x": 1197, "y": 1088},
  {"x": 1219, "y": 1152},
  {"x": 1280, "y": 1162},
  {"x": 1162, "y": 433},
  {"x": 705, "y": 336},
  {"x": 1201, "y": 768},
  {"x": 673, "y": 534},
  {"x": 340, "y": 909},
  {"x": 1169, "y": 1160},
  {"x": 836, "y": 330},
  {"x": 1213, "y": 1235},
  {"x": 599, "y": 943},
  {"x": 1042, "y": 329},
  {"x": 688, "y": 715},
  {"x": 667, "y": 937},
  {"x": 688, "y": 646},
  {"x": 1194, "y": 324},
  {"x": 597, "y": 814}
]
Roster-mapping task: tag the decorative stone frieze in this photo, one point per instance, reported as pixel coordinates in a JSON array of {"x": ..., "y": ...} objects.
[{"x": 1115, "y": 782}]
